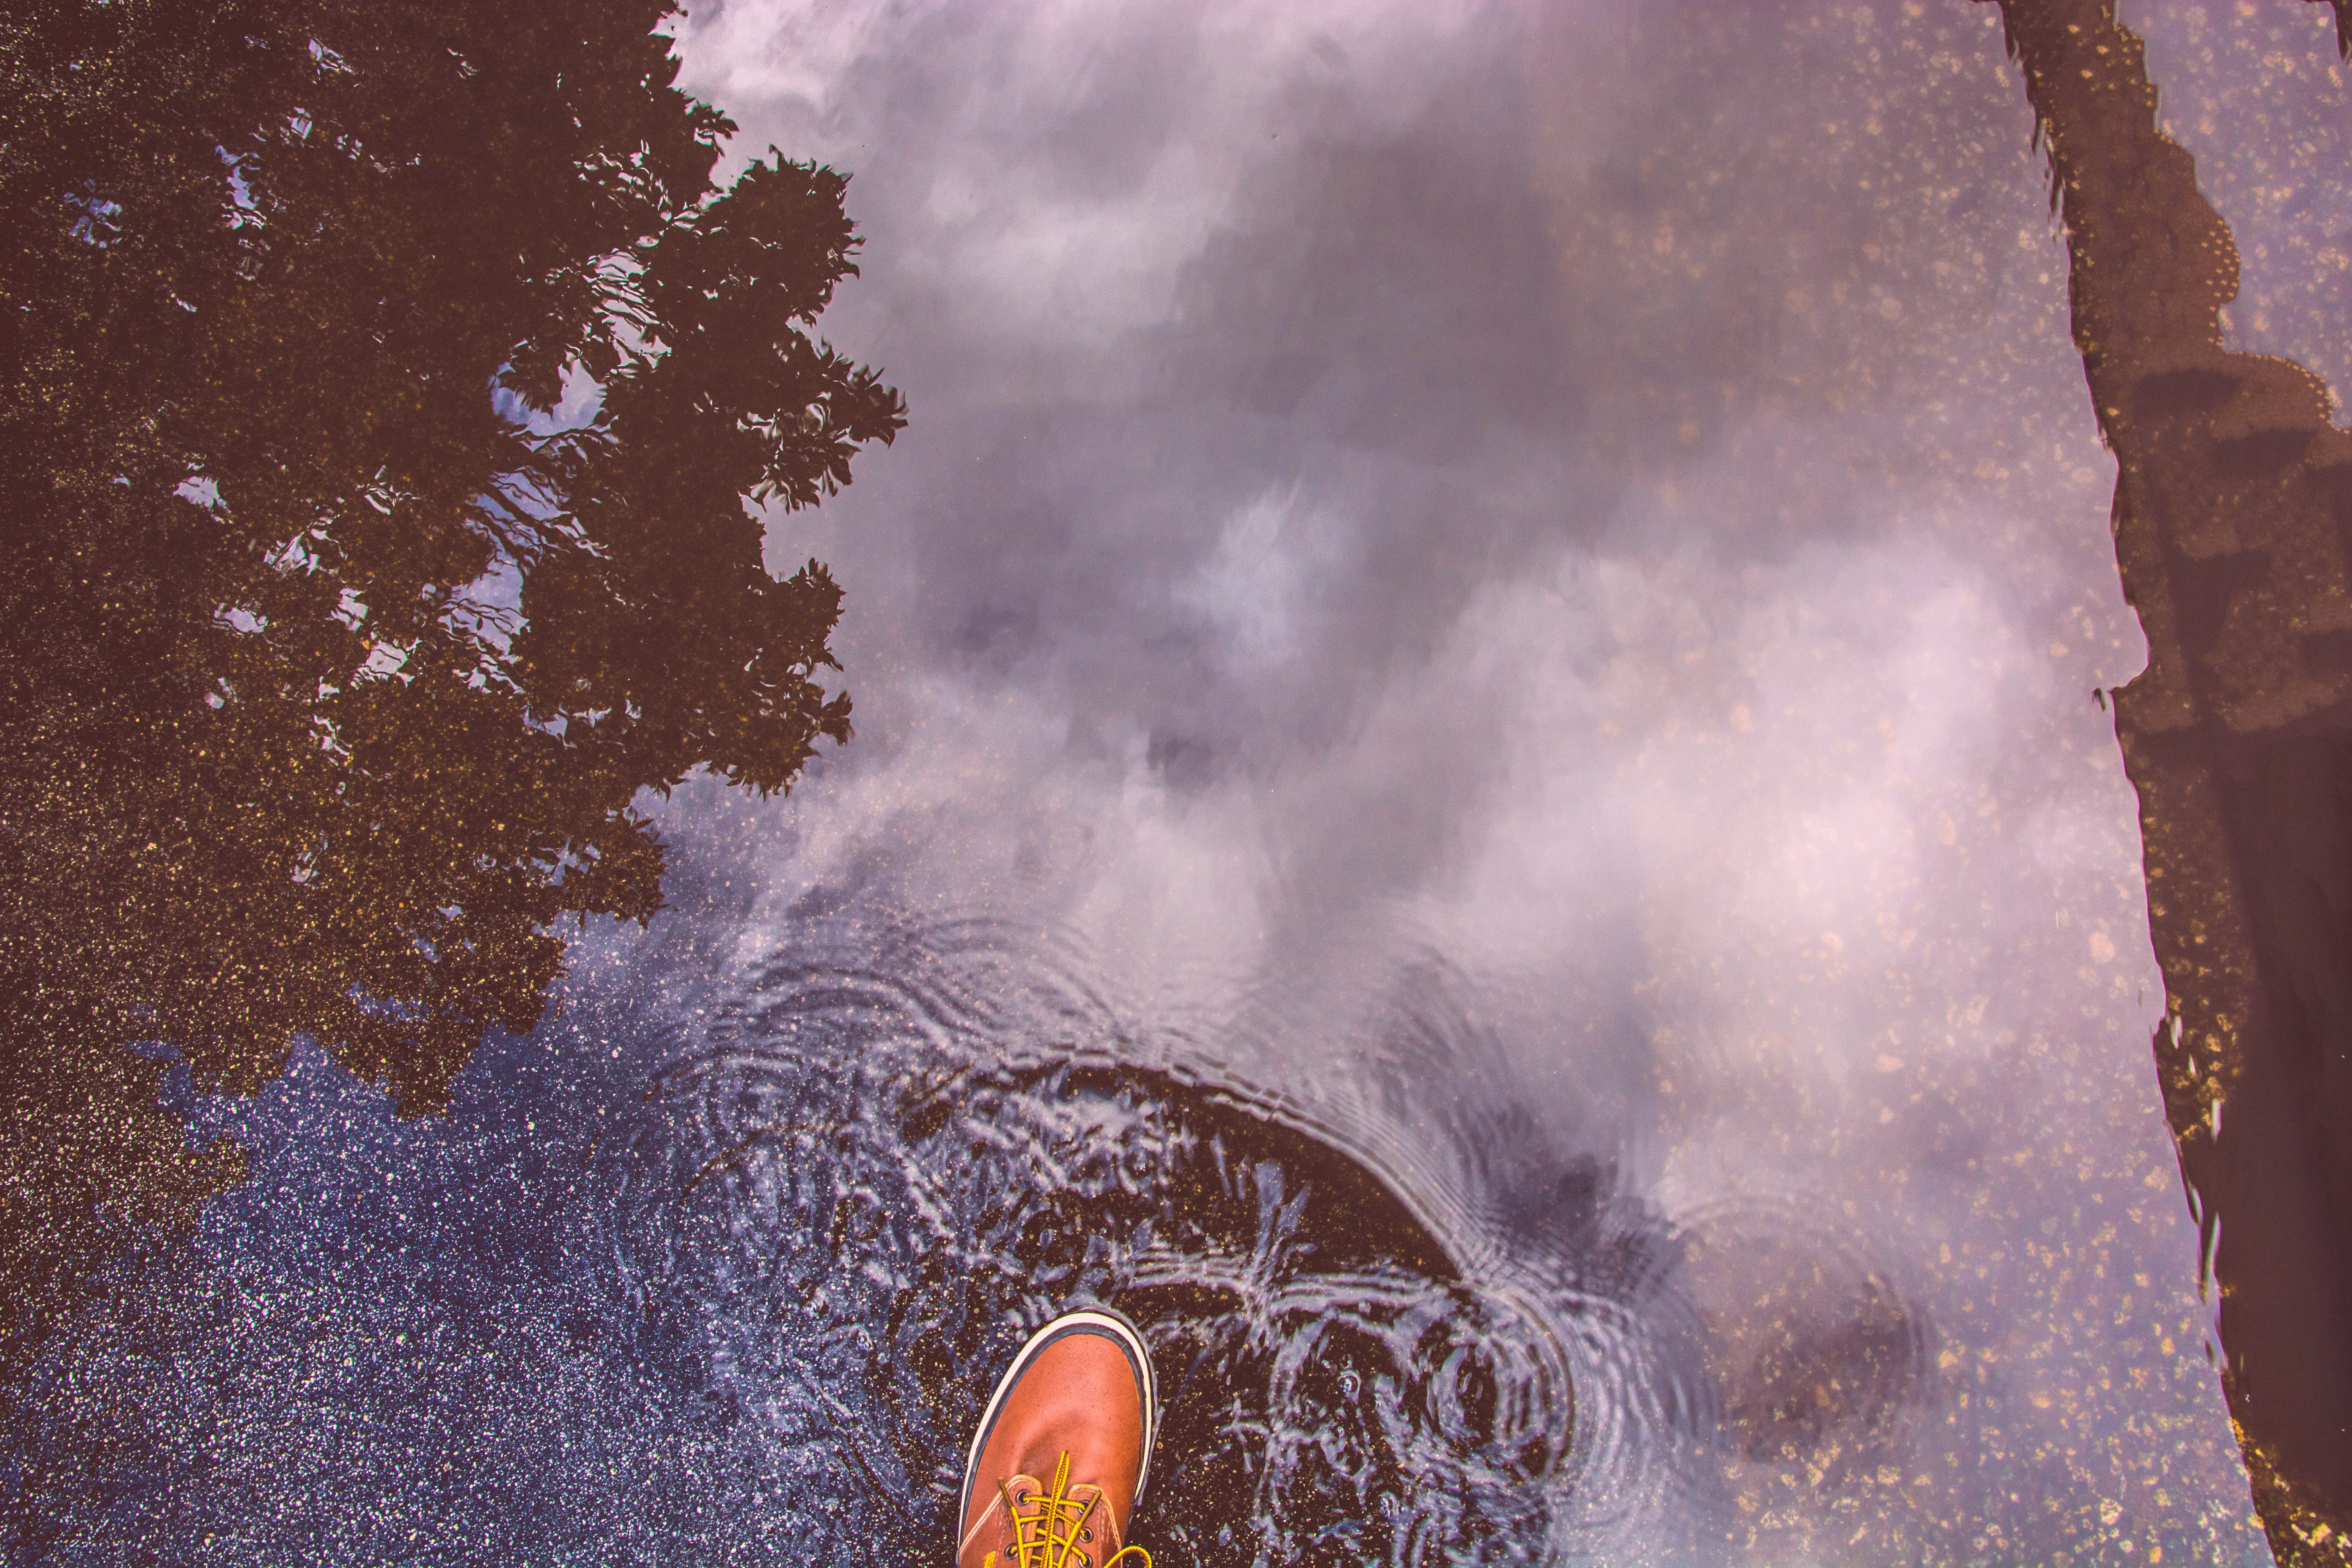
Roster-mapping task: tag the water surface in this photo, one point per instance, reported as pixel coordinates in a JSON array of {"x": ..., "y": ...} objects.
[{"x": 1478, "y": 793}]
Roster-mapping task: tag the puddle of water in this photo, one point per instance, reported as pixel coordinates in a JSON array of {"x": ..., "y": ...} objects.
[{"x": 1802, "y": 1197}]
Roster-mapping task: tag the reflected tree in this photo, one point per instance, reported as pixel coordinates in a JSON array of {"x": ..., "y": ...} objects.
[
  {"x": 2233, "y": 490},
  {"x": 381, "y": 389}
]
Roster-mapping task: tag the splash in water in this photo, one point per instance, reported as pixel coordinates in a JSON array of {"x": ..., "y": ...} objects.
[{"x": 875, "y": 1169}]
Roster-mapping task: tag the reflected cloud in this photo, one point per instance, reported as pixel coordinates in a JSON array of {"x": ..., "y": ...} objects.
[{"x": 1493, "y": 611}]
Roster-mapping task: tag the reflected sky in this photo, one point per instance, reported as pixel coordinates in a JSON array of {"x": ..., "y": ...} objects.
[
  {"x": 1605, "y": 501},
  {"x": 1531, "y": 580}
]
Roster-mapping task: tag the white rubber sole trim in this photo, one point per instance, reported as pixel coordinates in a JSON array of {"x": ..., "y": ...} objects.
[{"x": 1098, "y": 1320}]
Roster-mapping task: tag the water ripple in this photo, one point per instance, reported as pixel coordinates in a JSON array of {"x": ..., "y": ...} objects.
[{"x": 876, "y": 1165}]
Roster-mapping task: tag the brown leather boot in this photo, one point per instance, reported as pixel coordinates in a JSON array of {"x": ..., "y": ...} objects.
[{"x": 1062, "y": 1451}]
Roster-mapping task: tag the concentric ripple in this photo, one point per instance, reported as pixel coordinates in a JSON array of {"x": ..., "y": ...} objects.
[{"x": 878, "y": 1166}]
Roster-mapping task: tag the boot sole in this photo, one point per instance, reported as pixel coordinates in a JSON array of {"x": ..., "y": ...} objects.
[{"x": 1111, "y": 1325}]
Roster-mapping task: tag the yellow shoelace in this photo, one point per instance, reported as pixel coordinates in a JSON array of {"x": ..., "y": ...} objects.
[{"x": 1047, "y": 1536}]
